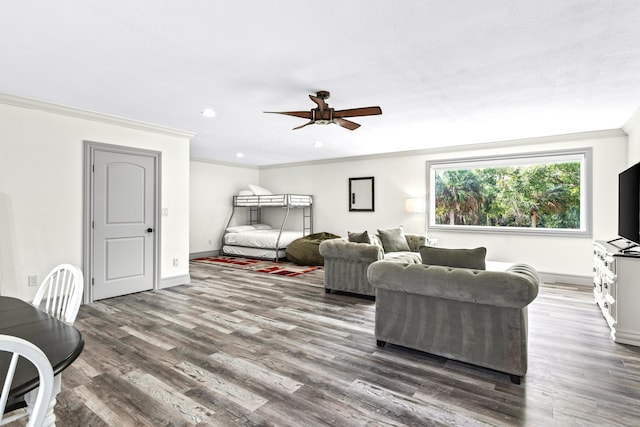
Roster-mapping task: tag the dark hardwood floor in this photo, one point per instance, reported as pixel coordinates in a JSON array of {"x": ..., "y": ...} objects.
[{"x": 252, "y": 349}]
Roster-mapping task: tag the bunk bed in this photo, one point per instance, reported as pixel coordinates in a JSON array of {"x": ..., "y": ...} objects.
[{"x": 258, "y": 240}]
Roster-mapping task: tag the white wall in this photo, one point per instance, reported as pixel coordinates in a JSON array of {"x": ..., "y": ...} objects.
[
  {"x": 212, "y": 187},
  {"x": 397, "y": 178},
  {"x": 632, "y": 128},
  {"x": 41, "y": 188}
]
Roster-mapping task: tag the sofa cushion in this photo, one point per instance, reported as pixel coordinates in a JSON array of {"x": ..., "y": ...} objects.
[
  {"x": 460, "y": 258},
  {"x": 345, "y": 251},
  {"x": 359, "y": 237},
  {"x": 393, "y": 240}
]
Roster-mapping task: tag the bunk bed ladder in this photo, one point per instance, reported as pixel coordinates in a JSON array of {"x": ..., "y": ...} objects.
[
  {"x": 307, "y": 221},
  {"x": 255, "y": 215}
]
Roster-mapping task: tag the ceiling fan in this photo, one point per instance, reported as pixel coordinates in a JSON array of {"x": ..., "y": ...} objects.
[{"x": 324, "y": 115}]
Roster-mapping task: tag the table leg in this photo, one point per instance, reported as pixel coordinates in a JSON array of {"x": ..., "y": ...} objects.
[{"x": 30, "y": 398}]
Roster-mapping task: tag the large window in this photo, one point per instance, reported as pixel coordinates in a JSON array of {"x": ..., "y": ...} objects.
[{"x": 547, "y": 193}]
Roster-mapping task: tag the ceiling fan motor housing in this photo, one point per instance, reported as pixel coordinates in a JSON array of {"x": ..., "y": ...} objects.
[{"x": 323, "y": 117}]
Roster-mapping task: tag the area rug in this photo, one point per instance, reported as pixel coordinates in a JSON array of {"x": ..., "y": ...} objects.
[{"x": 281, "y": 268}]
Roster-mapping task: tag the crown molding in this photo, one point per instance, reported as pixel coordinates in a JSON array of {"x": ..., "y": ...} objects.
[
  {"x": 48, "y": 107},
  {"x": 223, "y": 163},
  {"x": 593, "y": 135}
]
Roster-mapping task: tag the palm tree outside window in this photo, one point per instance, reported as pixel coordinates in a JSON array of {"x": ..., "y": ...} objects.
[{"x": 534, "y": 193}]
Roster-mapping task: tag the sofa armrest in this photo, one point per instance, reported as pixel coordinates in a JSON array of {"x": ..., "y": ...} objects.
[
  {"x": 517, "y": 287},
  {"x": 343, "y": 249},
  {"x": 415, "y": 241}
]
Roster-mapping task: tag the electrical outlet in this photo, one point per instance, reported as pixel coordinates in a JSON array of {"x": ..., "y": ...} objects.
[
  {"x": 175, "y": 262},
  {"x": 33, "y": 280}
]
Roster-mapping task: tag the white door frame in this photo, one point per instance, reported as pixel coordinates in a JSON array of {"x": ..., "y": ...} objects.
[{"x": 87, "y": 245}]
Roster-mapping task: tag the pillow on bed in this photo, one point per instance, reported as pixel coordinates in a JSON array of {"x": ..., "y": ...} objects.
[
  {"x": 240, "y": 228},
  {"x": 262, "y": 226},
  {"x": 259, "y": 191},
  {"x": 245, "y": 193}
]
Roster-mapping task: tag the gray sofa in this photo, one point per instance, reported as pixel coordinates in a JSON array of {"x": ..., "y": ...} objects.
[
  {"x": 346, "y": 263},
  {"x": 474, "y": 316}
]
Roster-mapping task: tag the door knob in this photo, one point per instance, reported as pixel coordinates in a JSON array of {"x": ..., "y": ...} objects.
[{"x": 149, "y": 230}]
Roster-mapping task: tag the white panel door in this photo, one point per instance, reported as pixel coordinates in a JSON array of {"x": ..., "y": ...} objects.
[{"x": 123, "y": 223}]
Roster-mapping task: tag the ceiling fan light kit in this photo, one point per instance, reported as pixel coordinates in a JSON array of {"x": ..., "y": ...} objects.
[{"x": 324, "y": 115}]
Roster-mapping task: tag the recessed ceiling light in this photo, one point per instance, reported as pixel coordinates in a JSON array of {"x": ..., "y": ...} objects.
[
  {"x": 317, "y": 144},
  {"x": 239, "y": 155},
  {"x": 208, "y": 112}
]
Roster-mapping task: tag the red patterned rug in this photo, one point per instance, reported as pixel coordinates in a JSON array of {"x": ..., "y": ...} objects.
[{"x": 282, "y": 268}]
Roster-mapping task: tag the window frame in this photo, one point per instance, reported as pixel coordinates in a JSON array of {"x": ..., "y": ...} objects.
[{"x": 583, "y": 155}]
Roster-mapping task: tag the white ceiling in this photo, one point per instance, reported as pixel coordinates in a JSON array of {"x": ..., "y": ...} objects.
[{"x": 444, "y": 72}]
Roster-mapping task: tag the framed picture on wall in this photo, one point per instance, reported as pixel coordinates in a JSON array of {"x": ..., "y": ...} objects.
[{"x": 361, "y": 194}]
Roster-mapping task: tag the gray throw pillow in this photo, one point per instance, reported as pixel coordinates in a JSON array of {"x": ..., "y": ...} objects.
[
  {"x": 393, "y": 240},
  {"x": 460, "y": 258},
  {"x": 359, "y": 237}
]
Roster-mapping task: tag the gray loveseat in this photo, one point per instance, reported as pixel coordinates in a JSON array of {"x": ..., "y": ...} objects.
[
  {"x": 474, "y": 316},
  {"x": 346, "y": 263}
]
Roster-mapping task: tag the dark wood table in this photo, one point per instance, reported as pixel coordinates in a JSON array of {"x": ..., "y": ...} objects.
[{"x": 61, "y": 343}]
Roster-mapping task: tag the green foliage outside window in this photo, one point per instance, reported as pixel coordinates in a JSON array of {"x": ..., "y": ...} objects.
[{"x": 536, "y": 196}]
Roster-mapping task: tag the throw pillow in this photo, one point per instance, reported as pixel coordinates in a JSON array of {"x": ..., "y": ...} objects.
[
  {"x": 262, "y": 226},
  {"x": 359, "y": 237},
  {"x": 393, "y": 240},
  {"x": 460, "y": 258},
  {"x": 240, "y": 228}
]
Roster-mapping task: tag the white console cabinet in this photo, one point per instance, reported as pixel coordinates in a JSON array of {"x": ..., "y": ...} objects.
[{"x": 616, "y": 287}]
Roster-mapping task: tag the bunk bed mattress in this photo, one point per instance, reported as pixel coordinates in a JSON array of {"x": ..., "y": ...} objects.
[
  {"x": 264, "y": 239},
  {"x": 253, "y": 252}
]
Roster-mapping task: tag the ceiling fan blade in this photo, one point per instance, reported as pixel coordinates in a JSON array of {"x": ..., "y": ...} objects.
[
  {"x": 348, "y": 124},
  {"x": 306, "y": 124},
  {"x": 301, "y": 114},
  {"x": 319, "y": 102},
  {"x": 354, "y": 112}
]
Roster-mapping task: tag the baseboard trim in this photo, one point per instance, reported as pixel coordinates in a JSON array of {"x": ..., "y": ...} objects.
[
  {"x": 203, "y": 254},
  {"x": 565, "y": 278},
  {"x": 626, "y": 337},
  {"x": 167, "y": 282}
]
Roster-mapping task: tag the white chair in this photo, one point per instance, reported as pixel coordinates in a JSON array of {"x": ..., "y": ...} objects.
[
  {"x": 22, "y": 348},
  {"x": 60, "y": 293}
]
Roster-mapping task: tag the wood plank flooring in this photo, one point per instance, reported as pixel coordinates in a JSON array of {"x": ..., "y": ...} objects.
[{"x": 250, "y": 349}]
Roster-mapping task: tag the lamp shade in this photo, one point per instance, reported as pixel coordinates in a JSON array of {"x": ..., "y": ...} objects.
[{"x": 414, "y": 205}]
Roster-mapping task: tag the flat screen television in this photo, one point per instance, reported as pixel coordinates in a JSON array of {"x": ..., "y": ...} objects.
[{"x": 629, "y": 204}]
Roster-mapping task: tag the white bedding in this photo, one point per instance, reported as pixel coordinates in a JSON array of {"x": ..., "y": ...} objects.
[
  {"x": 265, "y": 239},
  {"x": 253, "y": 252}
]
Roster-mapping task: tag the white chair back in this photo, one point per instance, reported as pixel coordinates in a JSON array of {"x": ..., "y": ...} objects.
[
  {"x": 60, "y": 293},
  {"x": 21, "y": 348}
]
